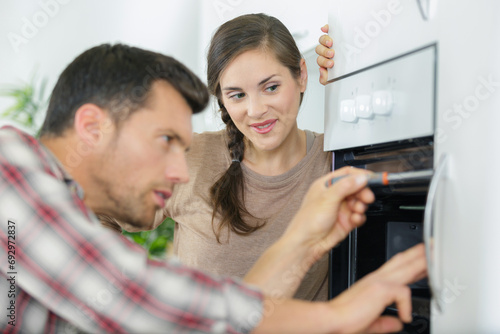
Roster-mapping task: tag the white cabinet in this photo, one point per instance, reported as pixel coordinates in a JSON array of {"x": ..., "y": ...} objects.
[
  {"x": 303, "y": 18},
  {"x": 368, "y": 32},
  {"x": 466, "y": 251}
]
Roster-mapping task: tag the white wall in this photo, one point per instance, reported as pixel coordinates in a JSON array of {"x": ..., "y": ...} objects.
[
  {"x": 48, "y": 34},
  {"x": 67, "y": 28}
]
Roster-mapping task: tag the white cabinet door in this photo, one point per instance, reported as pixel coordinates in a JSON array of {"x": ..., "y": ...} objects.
[
  {"x": 466, "y": 255},
  {"x": 368, "y": 32},
  {"x": 303, "y": 18},
  {"x": 467, "y": 219}
]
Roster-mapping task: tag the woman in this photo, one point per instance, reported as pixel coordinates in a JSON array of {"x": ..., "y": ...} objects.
[{"x": 247, "y": 181}]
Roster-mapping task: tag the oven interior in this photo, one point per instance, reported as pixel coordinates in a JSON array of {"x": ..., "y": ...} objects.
[{"x": 394, "y": 221}]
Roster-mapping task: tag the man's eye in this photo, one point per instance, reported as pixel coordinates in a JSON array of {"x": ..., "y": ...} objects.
[{"x": 166, "y": 138}]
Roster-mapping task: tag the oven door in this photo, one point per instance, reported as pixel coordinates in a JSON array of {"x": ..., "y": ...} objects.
[{"x": 394, "y": 221}]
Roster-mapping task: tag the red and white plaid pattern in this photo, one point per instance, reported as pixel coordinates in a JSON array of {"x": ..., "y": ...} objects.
[{"x": 73, "y": 275}]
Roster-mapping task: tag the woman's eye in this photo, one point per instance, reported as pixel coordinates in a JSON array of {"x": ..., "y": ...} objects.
[
  {"x": 237, "y": 96},
  {"x": 272, "y": 88}
]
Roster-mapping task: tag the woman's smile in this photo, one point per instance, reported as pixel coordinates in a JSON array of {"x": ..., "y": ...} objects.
[{"x": 264, "y": 127}]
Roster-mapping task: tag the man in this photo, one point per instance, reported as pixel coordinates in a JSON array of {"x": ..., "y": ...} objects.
[{"x": 113, "y": 143}]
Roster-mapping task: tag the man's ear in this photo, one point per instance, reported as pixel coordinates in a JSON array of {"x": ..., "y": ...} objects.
[
  {"x": 303, "y": 75},
  {"x": 91, "y": 123}
]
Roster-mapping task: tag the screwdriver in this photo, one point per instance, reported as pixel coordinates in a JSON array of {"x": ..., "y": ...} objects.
[{"x": 386, "y": 178}]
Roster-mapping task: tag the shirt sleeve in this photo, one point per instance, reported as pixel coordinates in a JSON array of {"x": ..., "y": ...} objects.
[{"x": 96, "y": 278}]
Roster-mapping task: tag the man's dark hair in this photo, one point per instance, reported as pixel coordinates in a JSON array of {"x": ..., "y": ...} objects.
[{"x": 117, "y": 78}]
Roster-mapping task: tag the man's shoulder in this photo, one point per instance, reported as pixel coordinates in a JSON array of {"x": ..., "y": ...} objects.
[
  {"x": 9, "y": 131},
  {"x": 15, "y": 143}
]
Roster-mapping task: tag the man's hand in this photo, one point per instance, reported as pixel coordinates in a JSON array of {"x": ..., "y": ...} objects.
[
  {"x": 358, "y": 309},
  {"x": 325, "y": 55},
  {"x": 328, "y": 214}
]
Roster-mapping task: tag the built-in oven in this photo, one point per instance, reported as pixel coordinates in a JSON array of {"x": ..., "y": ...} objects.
[{"x": 382, "y": 118}]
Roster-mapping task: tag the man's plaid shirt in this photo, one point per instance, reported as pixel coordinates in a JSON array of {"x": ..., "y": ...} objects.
[{"x": 72, "y": 275}]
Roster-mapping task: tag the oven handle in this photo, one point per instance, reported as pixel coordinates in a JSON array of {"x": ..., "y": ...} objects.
[
  {"x": 429, "y": 230},
  {"x": 425, "y": 9}
]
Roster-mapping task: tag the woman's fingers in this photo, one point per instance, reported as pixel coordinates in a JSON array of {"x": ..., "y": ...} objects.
[{"x": 325, "y": 56}]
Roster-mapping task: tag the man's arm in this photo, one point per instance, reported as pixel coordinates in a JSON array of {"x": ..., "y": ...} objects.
[
  {"x": 326, "y": 216},
  {"x": 356, "y": 310}
]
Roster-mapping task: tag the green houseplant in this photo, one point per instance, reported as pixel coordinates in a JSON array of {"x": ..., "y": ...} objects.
[
  {"x": 158, "y": 241},
  {"x": 30, "y": 103}
]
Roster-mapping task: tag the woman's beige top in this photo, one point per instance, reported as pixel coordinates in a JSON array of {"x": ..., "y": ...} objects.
[{"x": 274, "y": 198}]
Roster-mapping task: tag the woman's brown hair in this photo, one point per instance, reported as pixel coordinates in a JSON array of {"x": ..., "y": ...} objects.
[{"x": 244, "y": 33}]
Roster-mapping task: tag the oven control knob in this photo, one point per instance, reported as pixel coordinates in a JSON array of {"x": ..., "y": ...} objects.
[
  {"x": 348, "y": 111},
  {"x": 382, "y": 102},
  {"x": 364, "y": 106}
]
